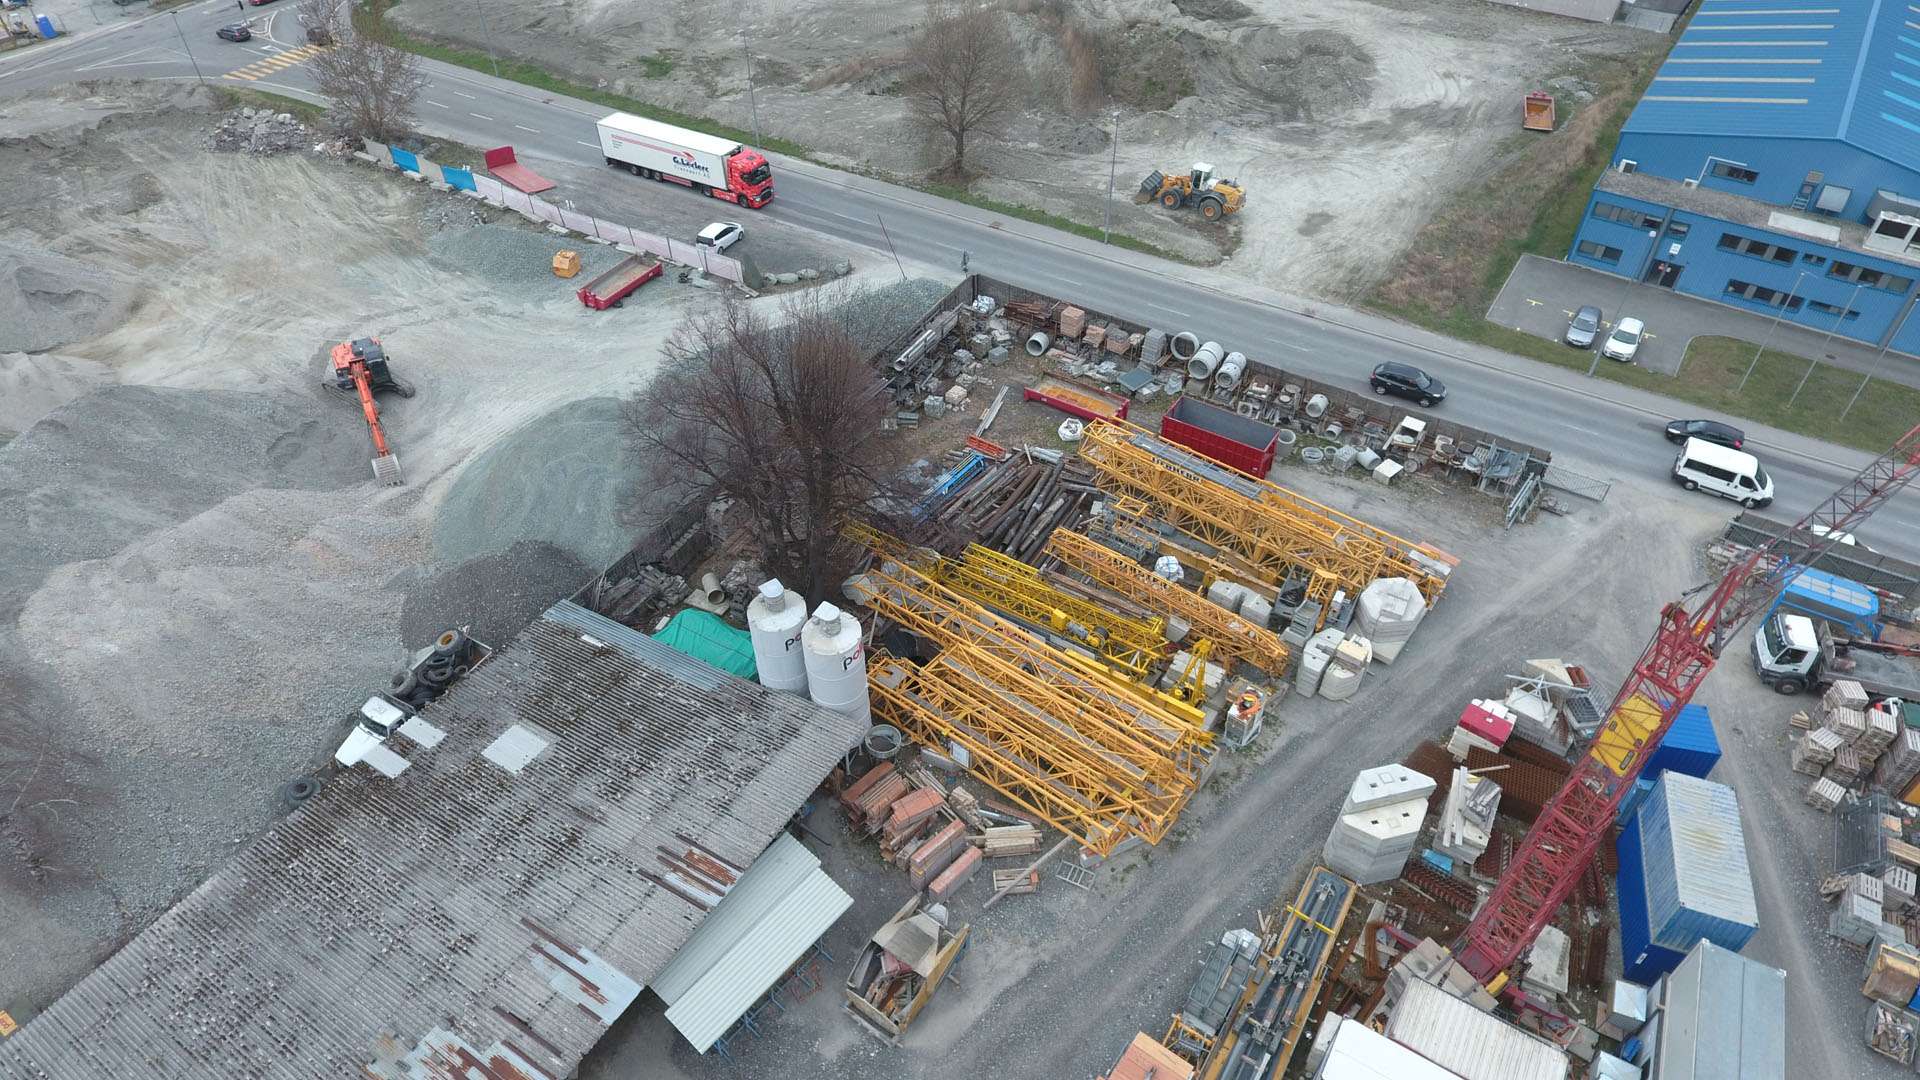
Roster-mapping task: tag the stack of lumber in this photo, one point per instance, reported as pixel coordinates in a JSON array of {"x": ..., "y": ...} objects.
[
  {"x": 1847, "y": 722},
  {"x": 1007, "y": 840},
  {"x": 1900, "y": 763},
  {"x": 1824, "y": 795},
  {"x": 1812, "y": 753},
  {"x": 1014, "y": 505},
  {"x": 1846, "y": 767},
  {"x": 868, "y": 799}
]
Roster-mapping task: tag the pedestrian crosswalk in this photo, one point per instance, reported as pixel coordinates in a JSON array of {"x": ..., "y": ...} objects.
[{"x": 274, "y": 64}]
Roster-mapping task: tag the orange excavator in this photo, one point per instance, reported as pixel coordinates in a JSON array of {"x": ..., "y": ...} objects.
[{"x": 360, "y": 366}]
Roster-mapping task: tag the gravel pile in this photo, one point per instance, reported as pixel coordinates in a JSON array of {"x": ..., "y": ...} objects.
[
  {"x": 497, "y": 594},
  {"x": 559, "y": 480},
  {"x": 877, "y": 315},
  {"x": 48, "y": 300},
  {"x": 260, "y": 131},
  {"x": 33, "y": 385},
  {"x": 454, "y": 212},
  {"x": 518, "y": 257}
]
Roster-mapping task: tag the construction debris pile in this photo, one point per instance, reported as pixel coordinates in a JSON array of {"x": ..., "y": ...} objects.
[
  {"x": 260, "y": 132},
  {"x": 1850, "y": 743},
  {"x": 901, "y": 966}
]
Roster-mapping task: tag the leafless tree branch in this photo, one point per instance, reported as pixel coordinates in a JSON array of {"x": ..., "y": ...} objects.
[{"x": 964, "y": 75}]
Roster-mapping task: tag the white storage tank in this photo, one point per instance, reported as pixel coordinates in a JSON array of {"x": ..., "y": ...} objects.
[
  {"x": 774, "y": 619},
  {"x": 836, "y": 662}
]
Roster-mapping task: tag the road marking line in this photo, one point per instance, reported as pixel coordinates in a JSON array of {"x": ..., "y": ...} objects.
[
  {"x": 596, "y": 146},
  {"x": 1531, "y": 302},
  {"x": 1163, "y": 307},
  {"x": 477, "y": 116},
  {"x": 524, "y": 127},
  {"x": 436, "y": 105},
  {"x": 457, "y": 93},
  {"x": 1070, "y": 281}
]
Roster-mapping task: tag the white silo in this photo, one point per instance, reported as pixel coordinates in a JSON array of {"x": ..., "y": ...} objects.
[
  {"x": 836, "y": 661},
  {"x": 774, "y": 619}
]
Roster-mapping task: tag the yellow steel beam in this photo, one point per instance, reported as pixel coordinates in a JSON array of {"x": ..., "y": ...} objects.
[
  {"x": 1082, "y": 792},
  {"x": 921, "y": 605},
  {"x": 1232, "y": 636},
  {"x": 986, "y": 578},
  {"x": 1274, "y": 528}
]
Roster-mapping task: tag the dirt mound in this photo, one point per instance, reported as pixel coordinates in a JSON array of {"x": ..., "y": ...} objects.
[
  {"x": 497, "y": 594},
  {"x": 1310, "y": 76},
  {"x": 1213, "y": 10},
  {"x": 48, "y": 300}
]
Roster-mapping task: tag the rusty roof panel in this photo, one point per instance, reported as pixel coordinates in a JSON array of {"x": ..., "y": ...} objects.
[{"x": 407, "y": 922}]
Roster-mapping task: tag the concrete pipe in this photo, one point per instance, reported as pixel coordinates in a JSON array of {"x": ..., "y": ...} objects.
[
  {"x": 1317, "y": 406},
  {"x": 1183, "y": 345},
  {"x": 1228, "y": 376},
  {"x": 1284, "y": 442},
  {"x": 1038, "y": 344},
  {"x": 1205, "y": 361},
  {"x": 709, "y": 596}
]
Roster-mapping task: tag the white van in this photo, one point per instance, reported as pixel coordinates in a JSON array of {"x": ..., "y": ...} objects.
[{"x": 1728, "y": 473}]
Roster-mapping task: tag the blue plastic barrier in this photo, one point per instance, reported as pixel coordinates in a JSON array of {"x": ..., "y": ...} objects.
[
  {"x": 460, "y": 178},
  {"x": 405, "y": 160}
]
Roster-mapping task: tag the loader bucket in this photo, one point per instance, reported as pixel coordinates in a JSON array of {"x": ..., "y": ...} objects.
[{"x": 386, "y": 470}]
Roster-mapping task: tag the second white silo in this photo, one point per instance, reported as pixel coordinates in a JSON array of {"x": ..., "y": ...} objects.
[
  {"x": 774, "y": 619},
  {"x": 836, "y": 660}
]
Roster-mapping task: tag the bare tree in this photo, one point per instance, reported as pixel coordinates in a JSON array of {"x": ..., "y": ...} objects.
[
  {"x": 371, "y": 84},
  {"x": 964, "y": 75},
  {"x": 782, "y": 418}
]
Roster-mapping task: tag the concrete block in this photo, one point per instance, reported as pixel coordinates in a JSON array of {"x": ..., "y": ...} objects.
[
  {"x": 1385, "y": 785},
  {"x": 956, "y": 875},
  {"x": 1548, "y": 964}
]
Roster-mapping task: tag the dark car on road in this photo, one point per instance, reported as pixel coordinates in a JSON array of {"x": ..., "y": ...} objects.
[
  {"x": 1583, "y": 327},
  {"x": 1712, "y": 431},
  {"x": 235, "y": 32},
  {"x": 1407, "y": 381}
]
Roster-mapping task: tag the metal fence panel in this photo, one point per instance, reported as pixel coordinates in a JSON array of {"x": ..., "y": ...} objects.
[
  {"x": 1561, "y": 478},
  {"x": 493, "y": 190},
  {"x": 379, "y": 152},
  {"x": 432, "y": 172},
  {"x": 579, "y": 223},
  {"x": 618, "y": 234}
]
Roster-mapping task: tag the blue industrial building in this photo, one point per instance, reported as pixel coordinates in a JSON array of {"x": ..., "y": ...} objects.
[{"x": 1774, "y": 165}]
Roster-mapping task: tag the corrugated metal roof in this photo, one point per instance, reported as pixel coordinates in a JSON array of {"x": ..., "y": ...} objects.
[
  {"x": 1828, "y": 69},
  {"x": 757, "y": 958},
  {"x": 1479, "y": 1046},
  {"x": 1696, "y": 851},
  {"x": 397, "y": 925},
  {"x": 1355, "y": 1052},
  {"x": 1724, "y": 1018},
  {"x": 777, "y": 872}
]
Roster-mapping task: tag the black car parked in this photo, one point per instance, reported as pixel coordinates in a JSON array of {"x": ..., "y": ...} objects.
[
  {"x": 1712, "y": 431},
  {"x": 1407, "y": 381},
  {"x": 235, "y": 32}
]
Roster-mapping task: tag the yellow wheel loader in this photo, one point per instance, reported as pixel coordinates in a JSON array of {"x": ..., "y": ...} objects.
[{"x": 1215, "y": 198}]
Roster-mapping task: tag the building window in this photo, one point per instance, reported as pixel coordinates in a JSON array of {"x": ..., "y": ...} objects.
[
  {"x": 1625, "y": 216},
  {"x": 1760, "y": 294},
  {"x": 1759, "y": 249},
  {"x": 1825, "y": 308},
  {"x": 1601, "y": 252},
  {"x": 1868, "y": 276},
  {"x": 1678, "y": 229},
  {"x": 1727, "y": 170},
  {"x": 1813, "y": 260}
]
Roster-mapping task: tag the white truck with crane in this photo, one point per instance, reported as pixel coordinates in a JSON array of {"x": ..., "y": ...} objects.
[{"x": 1792, "y": 653}]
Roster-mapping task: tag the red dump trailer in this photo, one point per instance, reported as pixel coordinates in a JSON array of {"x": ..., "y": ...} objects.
[
  {"x": 1224, "y": 436},
  {"x": 607, "y": 290}
]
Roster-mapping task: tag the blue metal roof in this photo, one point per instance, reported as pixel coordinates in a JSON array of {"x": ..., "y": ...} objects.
[{"x": 1821, "y": 69}]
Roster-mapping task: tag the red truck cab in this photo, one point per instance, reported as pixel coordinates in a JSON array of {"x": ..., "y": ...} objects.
[{"x": 750, "y": 177}]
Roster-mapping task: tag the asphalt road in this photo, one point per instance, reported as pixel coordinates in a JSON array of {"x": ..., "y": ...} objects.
[{"x": 1602, "y": 429}]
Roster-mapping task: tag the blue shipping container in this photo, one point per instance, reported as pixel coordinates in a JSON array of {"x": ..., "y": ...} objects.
[
  {"x": 1694, "y": 857},
  {"x": 1632, "y": 802},
  {"x": 1690, "y": 746},
  {"x": 1642, "y": 960}
]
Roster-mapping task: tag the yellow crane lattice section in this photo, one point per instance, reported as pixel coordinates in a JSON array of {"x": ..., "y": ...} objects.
[
  {"x": 1273, "y": 528},
  {"x": 1232, "y": 636}
]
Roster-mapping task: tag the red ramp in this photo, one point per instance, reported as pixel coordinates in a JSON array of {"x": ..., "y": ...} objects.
[{"x": 502, "y": 163}]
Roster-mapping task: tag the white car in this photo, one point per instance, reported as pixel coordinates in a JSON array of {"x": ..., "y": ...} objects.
[
  {"x": 721, "y": 235},
  {"x": 1624, "y": 341}
]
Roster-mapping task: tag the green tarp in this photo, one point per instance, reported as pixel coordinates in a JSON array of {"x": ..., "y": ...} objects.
[{"x": 705, "y": 636}]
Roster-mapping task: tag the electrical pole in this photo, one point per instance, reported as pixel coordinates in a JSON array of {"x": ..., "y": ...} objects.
[
  {"x": 183, "y": 44},
  {"x": 1868, "y": 377},
  {"x": 1775, "y": 325},
  {"x": 1113, "y": 164},
  {"x": 1828, "y": 340},
  {"x": 753, "y": 100}
]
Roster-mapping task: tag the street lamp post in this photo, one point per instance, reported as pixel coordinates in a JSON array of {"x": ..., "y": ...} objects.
[
  {"x": 1113, "y": 165},
  {"x": 1618, "y": 309},
  {"x": 1882, "y": 355},
  {"x": 1828, "y": 340},
  {"x": 1771, "y": 327},
  {"x": 183, "y": 44},
  {"x": 486, "y": 24}
]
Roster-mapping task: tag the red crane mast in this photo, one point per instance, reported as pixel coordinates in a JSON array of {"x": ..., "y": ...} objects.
[{"x": 1691, "y": 636}]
